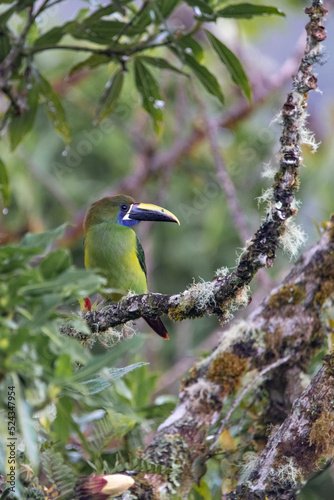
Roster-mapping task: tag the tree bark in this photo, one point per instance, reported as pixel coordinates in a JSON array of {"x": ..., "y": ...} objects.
[
  {"x": 286, "y": 326},
  {"x": 302, "y": 442}
]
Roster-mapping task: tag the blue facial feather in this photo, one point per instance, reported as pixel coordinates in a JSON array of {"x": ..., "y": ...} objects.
[{"x": 127, "y": 223}]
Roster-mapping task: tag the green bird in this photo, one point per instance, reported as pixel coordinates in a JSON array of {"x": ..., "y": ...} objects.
[{"x": 113, "y": 248}]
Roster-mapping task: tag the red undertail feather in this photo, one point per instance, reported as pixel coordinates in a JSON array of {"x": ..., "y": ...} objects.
[{"x": 157, "y": 325}]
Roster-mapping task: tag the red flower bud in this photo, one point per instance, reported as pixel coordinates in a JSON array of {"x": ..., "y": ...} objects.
[{"x": 88, "y": 304}]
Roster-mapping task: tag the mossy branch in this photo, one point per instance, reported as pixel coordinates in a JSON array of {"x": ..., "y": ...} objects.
[
  {"x": 299, "y": 446},
  {"x": 281, "y": 335}
]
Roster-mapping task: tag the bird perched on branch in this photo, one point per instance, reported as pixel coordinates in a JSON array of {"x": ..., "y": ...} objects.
[{"x": 112, "y": 247}]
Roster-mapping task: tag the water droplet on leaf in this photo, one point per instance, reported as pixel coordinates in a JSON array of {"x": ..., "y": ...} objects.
[{"x": 158, "y": 104}]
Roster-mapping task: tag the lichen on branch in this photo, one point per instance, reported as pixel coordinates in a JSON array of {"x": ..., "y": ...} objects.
[
  {"x": 298, "y": 446},
  {"x": 273, "y": 347}
]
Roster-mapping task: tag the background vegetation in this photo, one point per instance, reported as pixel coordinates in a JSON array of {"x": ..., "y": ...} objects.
[{"x": 77, "y": 126}]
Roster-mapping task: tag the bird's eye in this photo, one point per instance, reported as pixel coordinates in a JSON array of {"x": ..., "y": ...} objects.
[{"x": 124, "y": 207}]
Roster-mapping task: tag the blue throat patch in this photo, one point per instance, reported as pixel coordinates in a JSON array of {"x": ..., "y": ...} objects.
[{"x": 127, "y": 223}]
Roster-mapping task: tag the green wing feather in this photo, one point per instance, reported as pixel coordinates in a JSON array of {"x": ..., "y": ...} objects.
[
  {"x": 141, "y": 256},
  {"x": 155, "y": 323}
]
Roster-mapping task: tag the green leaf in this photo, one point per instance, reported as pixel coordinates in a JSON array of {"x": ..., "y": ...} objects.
[
  {"x": 91, "y": 62},
  {"x": 26, "y": 424},
  {"x": 166, "y": 7},
  {"x": 161, "y": 63},
  {"x": 4, "y": 186},
  {"x": 203, "y": 12},
  {"x": 141, "y": 384},
  {"x": 54, "y": 109},
  {"x": 151, "y": 98},
  {"x": 96, "y": 364},
  {"x": 55, "y": 263},
  {"x": 110, "y": 96},
  {"x": 161, "y": 411},
  {"x": 63, "y": 366},
  {"x": 110, "y": 374},
  {"x": 51, "y": 37},
  {"x": 247, "y": 11},
  {"x": 21, "y": 124},
  {"x": 112, "y": 425},
  {"x": 101, "y": 31},
  {"x": 116, "y": 6},
  {"x": 158, "y": 11},
  {"x": 191, "y": 46},
  {"x": 232, "y": 63},
  {"x": 201, "y": 5},
  {"x": 201, "y": 491},
  {"x": 62, "y": 422},
  {"x": 43, "y": 241},
  {"x": 68, "y": 345},
  {"x": 5, "y": 44},
  {"x": 22, "y": 4},
  {"x": 93, "y": 386},
  {"x": 123, "y": 390},
  {"x": 207, "y": 79},
  {"x": 12, "y": 257},
  {"x": 32, "y": 34},
  {"x": 105, "y": 11},
  {"x": 71, "y": 283},
  {"x": 81, "y": 14},
  {"x": 7, "y": 14}
]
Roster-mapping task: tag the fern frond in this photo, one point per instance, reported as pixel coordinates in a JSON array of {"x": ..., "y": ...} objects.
[
  {"x": 138, "y": 464},
  {"x": 34, "y": 494},
  {"x": 111, "y": 426},
  {"x": 58, "y": 473}
]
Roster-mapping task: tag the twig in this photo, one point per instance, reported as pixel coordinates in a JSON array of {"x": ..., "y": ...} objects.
[
  {"x": 246, "y": 389},
  {"x": 107, "y": 52},
  {"x": 40, "y": 9},
  {"x": 226, "y": 183}
]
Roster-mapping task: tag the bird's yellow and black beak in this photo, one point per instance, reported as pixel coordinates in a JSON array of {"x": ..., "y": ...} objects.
[{"x": 146, "y": 211}]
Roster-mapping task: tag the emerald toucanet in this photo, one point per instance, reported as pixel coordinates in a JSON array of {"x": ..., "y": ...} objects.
[{"x": 113, "y": 248}]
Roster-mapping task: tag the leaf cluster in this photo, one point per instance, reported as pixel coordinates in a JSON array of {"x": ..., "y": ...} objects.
[
  {"x": 124, "y": 33},
  {"x": 70, "y": 400}
]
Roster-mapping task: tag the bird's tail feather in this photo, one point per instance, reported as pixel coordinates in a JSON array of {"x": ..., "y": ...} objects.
[{"x": 157, "y": 325}]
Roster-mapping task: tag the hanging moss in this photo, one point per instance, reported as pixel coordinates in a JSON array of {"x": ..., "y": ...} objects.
[{"x": 198, "y": 300}]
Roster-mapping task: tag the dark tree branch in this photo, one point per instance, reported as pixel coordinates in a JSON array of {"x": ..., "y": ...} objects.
[
  {"x": 223, "y": 176},
  {"x": 305, "y": 439},
  {"x": 109, "y": 52}
]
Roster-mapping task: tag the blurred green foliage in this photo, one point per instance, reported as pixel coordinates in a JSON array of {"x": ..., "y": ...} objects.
[{"x": 77, "y": 123}]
